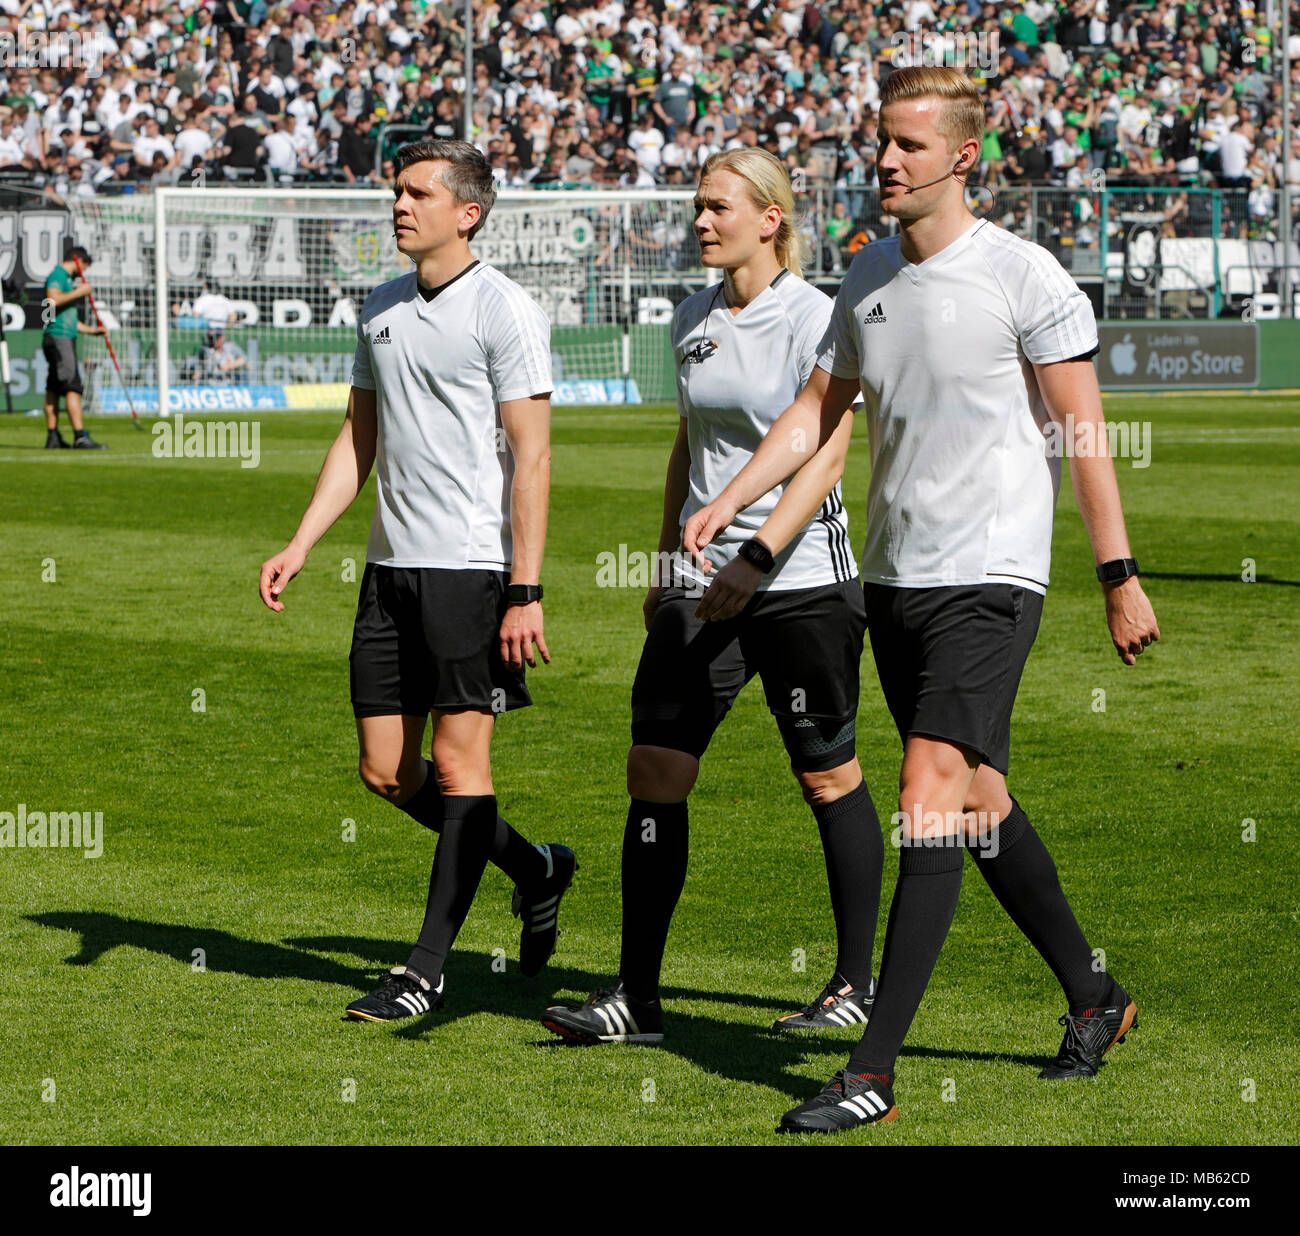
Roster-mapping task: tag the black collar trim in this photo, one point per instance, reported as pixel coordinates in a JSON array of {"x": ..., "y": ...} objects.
[{"x": 430, "y": 293}]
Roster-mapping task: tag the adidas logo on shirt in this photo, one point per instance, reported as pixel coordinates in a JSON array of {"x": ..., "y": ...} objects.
[
  {"x": 875, "y": 316},
  {"x": 382, "y": 337}
]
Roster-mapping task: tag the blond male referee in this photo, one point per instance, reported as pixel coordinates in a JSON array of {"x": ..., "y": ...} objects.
[
  {"x": 966, "y": 341},
  {"x": 450, "y": 402}
]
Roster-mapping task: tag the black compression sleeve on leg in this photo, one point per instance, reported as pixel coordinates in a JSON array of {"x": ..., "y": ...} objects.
[
  {"x": 655, "y": 850},
  {"x": 855, "y": 857}
]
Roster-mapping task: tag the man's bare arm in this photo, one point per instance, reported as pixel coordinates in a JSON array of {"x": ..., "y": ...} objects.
[
  {"x": 799, "y": 433},
  {"x": 799, "y": 502},
  {"x": 527, "y": 425},
  {"x": 1069, "y": 388},
  {"x": 58, "y": 299},
  {"x": 347, "y": 465}
]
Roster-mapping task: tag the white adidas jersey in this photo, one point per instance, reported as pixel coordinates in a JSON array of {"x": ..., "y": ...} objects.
[
  {"x": 441, "y": 368},
  {"x": 963, "y": 484},
  {"x": 735, "y": 375}
]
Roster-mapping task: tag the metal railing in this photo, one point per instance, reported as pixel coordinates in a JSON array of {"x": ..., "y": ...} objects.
[
  {"x": 1190, "y": 237},
  {"x": 1268, "y": 293}
]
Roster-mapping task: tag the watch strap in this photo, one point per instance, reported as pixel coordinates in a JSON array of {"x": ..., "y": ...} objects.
[
  {"x": 523, "y": 594},
  {"x": 1117, "y": 569},
  {"x": 757, "y": 554}
]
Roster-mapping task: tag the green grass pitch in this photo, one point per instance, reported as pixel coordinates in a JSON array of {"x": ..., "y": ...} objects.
[{"x": 129, "y": 584}]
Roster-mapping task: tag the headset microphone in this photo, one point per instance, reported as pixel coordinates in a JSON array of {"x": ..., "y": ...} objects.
[{"x": 957, "y": 167}]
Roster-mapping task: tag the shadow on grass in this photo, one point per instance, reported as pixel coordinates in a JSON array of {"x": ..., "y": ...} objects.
[
  {"x": 1219, "y": 579},
  {"x": 744, "y": 1050},
  {"x": 223, "y": 952}
]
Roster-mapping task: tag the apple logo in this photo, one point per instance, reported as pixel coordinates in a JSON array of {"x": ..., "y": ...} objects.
[{"x": 1123, "y": 357}]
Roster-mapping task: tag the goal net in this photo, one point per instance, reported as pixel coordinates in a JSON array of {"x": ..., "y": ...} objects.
[{"x": 255, "y": 304}]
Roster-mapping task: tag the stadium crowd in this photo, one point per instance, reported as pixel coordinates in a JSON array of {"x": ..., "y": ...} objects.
[{"x": 574, "y": 93}]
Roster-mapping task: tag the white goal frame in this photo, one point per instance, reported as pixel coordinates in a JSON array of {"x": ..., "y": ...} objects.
[{"x": 166, "y": 202}]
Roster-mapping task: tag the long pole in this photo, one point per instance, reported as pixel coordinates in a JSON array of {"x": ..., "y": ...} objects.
[
  {"x": 469, "y": 70},
  {"x": 4, "y": 354},
  {"x": 627, "y": 298},
  {"x": 161, "y": 311},
  {"x": 1285, "y": 202},
  {"x": 99, "y": 321}
]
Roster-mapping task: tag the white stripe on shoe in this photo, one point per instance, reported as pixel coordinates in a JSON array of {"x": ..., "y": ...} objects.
[
  {"x": 413, "y": 1002},
  {"x": 628, "y": 1020},
  {"x": 617, "y": 1011}
]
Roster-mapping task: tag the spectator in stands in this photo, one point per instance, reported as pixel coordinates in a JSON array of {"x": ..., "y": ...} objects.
[
  {"x": 211, "y": 308},
  {"x": 647, "y": 144},
  {"x": 839, "y": 227},
  {"x": 445, "y": 125},
  {"x": 1234, "y": 157},
  {"x": 674, "y": 101},
  {"x": 14, "y": 152},
  {"x": 1027, "y": 162},
  {"x": 359, "y": 98},
  {"x": 580, "y": 164},
  {"x": 241, "y": 150},
  {"x": 193, "y": 144},
  {"x": 281, "y": 153},
  {"x": 31, "y": 132},
  {"x": 151, "y": 143},
  {"x": 269, "y": 91},
  {"x": 357, "y": 150},
  {"x": 220, "y": 360},
  {"x": 65, "y": 114}
]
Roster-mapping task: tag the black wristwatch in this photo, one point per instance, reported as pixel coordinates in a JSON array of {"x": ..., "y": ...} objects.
[
  {"x": 523, "y": 594},
  {"x": 1117, "y": 570},
  {"x": 757, "y": 554}
]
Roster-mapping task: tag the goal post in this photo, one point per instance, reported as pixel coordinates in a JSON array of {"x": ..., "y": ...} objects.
[{"x": 281, "y": 274}]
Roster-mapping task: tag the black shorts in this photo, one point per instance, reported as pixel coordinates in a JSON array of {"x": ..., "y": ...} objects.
[
  {"x": 805, "y": 644},
  {"x": 60, "y": 354},
  {"x": 950, "y": 660},
  {"x": 429, "y": 639}
]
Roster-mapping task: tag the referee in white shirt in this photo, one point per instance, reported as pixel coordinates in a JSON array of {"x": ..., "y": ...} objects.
[
  {"x": 450, "y": 402},
  {"x": 744, "y": 349},
  {"x": 966, "y": 341}
]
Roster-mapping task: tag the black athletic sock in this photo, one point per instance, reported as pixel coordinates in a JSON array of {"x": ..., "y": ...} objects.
[
  {"x": 925, "y": 899},
  {"x": 520, "y": 860},
  {"x": 468, "y": 827},
  {"x": 855, "y": 857},
  {"x": 425, "y": 805},
  {"x": 1015, "y": 863},
  {"x": 655, "y": 848},
  {"x": 79, "y": 433}
]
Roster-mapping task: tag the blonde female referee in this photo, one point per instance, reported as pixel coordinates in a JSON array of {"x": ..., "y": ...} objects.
[{"x": 744, "y": 349}]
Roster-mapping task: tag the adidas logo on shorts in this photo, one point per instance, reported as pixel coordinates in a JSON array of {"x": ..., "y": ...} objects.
[
  {"x": 875, "y": 316},
  {"x": 382, "y": 337}
]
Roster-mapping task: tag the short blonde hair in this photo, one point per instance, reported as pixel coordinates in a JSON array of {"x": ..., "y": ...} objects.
[
  {"x": 768, "y": 184},
  {"x": 961, "y": 119}
]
